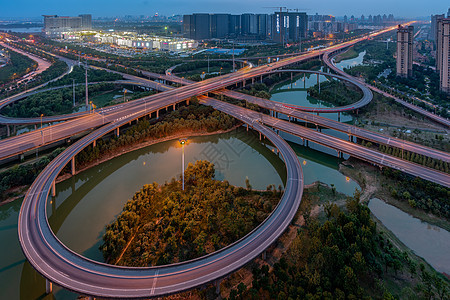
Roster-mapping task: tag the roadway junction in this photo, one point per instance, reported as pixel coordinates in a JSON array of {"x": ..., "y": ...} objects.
[{"x": 61, "y": 266}]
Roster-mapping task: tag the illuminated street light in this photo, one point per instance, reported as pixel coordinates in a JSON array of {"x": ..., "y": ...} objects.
[{"x": 182, "y": 142}]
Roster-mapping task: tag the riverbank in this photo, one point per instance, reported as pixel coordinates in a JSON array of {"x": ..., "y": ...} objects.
[
  {"x": 349, "y": 54},
  {"x": 375, "y": 185},
  {"x": 20, "y": 191}
]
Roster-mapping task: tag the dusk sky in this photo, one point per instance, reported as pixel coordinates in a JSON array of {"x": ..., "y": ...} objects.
[{"x": 100, "y": 8}]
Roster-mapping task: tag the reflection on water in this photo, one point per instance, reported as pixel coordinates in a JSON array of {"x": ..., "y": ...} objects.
[
  {"x": 351, "y": 62},
  {"x": 426, "y": 240},
  {"x": 87, "y": 202},
  {"x": 295, "y": 92}
]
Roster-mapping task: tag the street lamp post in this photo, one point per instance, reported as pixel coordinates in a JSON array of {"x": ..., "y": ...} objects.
[
  {"x": 182, "y": 142},
  {"x": 42, "y": 132},
  {"x": 73, "y": 85}
]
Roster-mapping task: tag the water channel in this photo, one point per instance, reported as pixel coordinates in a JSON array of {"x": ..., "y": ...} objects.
[
  {"x": 426, "y": 240},
  {"x": 90, "y": 200}
]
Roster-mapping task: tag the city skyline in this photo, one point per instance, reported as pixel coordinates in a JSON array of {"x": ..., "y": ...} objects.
[{"x": 102, "y": 8}]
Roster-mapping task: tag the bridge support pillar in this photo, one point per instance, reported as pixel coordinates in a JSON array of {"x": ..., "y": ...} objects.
[
  {"x": 35, "y": 127},
  {"x": 253, "y": 80},
  {"x": 94, "y": 143},
  {"x": 350, "y": 138},
  {"x": 73, "y": 166},
  {"x": 48, "y": 286},
  {"x": 261, "y": 79},
  {"x": 260, "y": 136},
  {"x": 263, "y": 255},
  {"x": 247, "y": 126},
  {"x": 174, "y": 106},
  {"x": 289, "y": 118},
  {"x": 53, "y": 188},
  {"x": 157, "y": 114},
  {"x": 117, "y": 132},
  {"x": 8, "y": 131},
  {"x": 243, "y": 83},
  {"x": 187, "y": 102},
  {"x": 217, "y": 286}
]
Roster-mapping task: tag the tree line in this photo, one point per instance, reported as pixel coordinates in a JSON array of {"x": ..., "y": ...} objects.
[
  {"x": 346, "y": 257},
  {"x": 418, "y": 193}
]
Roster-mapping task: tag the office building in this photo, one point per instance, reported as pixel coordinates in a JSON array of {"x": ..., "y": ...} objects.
[
  {"x": 443, "y": 54},
  {"x": 54, "y": 25},
  {"x": 405, "y": 50}
]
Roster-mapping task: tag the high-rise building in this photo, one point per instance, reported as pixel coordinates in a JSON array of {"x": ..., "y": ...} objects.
[
  {"x": 434, "y": 22},
  {"x": 220, "y": 25},
  {"x": 289, "y": 27},
  {"x": 197, "y": 26},
  {"x": 207, "y": 26},
  {"x": 405, "y": 50},
  {"x": 443, "y": 54}
]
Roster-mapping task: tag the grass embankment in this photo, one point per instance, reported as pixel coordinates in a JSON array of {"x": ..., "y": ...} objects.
[{"x": 349, "y": 54}]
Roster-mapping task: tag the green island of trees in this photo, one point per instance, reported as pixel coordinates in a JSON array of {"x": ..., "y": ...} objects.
[
  {"x": 336, "y": 92},
  {"x": 344, "y": 257},
  {"x": 163, "y": 224}
]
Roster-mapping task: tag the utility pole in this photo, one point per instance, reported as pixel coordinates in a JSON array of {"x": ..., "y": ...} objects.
[
  {"x": 87, "y": 92},
  {"x": 73, "y": 84}
]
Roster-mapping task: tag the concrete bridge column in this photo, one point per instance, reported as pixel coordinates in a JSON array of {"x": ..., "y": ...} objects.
[
  {"x": 35, "y": 127},
  {"x": 261, "y": 79},
  {"x": 8, "y": 132},
  {"x": 187, "y": 102},
  {"x": 217, "y": 285},
  {"x": 253, "y": 80},
  {"x": 350, "y": 138},
  {"x": 53, "y": 188},
  {"x": 94, "y": 143},
  {"x": 157, "y": 114},
  {"x": 263, "y": 255},
  {"x": 338, "y": 153},
  {"x": 292, "y": 77},
  {"x": 48, "y": 286},
  {"x": 247, "y": 126},
  {"x": 117, "y": 132},
  {"x": 73, "y": 166},
  {"x": 174, "y": 106},
  {"x": 243, "y": 83},
  {"x": 289, "y": 118},
  {"x": 260, "y": 136}
]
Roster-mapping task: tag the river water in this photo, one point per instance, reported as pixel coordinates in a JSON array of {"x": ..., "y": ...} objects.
[
  {"x": 92, "y": 199},
  {"x": 426, "y": 240}
]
